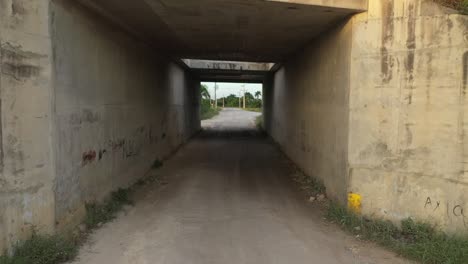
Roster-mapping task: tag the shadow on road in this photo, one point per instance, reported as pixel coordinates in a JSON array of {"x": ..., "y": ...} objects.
[{"x": 209, "y": 133}]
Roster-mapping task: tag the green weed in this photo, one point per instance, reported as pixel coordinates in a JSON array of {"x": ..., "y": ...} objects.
[
  {"x": 42, "y": 250},
  {"x": 460, "y": 5},
  {"x": 97, "y": 214},
  {"x": 259, "y": 123},
  {"x": 414, "y": 240},
  {"x": 206, "y": 110},
  {"x": 310, "y": 185},
  {"x": 250, "y": 109},
  {"x": 157, "y": 164}
]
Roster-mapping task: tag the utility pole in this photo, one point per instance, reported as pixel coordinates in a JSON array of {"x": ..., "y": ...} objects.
[
  {"x": 239, "y": 99},
  {"x": 223, "y": 102},
  {"x": 243, "y": 90},
  {"x": 216, "y": 99}
]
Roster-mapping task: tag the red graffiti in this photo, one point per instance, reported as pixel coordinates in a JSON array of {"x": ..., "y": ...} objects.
[{"x": 88, "y": 157}]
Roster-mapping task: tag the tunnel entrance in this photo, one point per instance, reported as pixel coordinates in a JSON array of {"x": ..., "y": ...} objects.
[{"x": 94, "y": 92}]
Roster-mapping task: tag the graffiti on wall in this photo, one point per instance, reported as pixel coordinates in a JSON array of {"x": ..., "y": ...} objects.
[
  {"x": 128, "y": 147},
  {"x": 452, "y": 210}
]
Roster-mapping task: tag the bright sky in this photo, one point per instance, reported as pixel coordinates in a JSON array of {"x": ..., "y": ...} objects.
[{"x": 226, "y": 89}]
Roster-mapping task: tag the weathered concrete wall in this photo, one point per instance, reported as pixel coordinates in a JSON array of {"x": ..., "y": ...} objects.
[
  {"x": 26, "y": 168},
  {"x": 85, "y": 109},
  {"x": 408, "y": 113},
  {"x": 118, "y": 107},
  {"x": 406, "y": 132},
  {"x": 306, "y": 108}
]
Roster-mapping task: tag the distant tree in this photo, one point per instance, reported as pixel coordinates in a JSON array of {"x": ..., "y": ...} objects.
[
  {"x": 248, "y": 96},
  {"x": 258, "y": 94},
  {"x": 205, "y": 94},
  {"x": 231, "y": 101}
]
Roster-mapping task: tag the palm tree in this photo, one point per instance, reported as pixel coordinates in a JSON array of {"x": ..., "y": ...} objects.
[
  {"x": 258, "y": 94},
  {"x": 204, "y": 92}
]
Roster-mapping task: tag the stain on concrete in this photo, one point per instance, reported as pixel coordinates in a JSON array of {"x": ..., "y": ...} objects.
[
  {"x": 20, "y": 71},
  {"x": 18, "y": 171},
  {"x": 17, "y": 8},
  {"x": 131, "y": 148},
  {"x": 13, "y": 148},
  {"x": 101, "y": 153},
  {"x": 19, "y": 64},
  {"x": 411, "y": 50},
  {"x": 420, "y": 152},
  {"x": 394, "y": 163},
  {"x": 411, "y": 41},
  {"x": 117, "y": 144},
  {"x": 409, "y": 134},
  {"x": 85, "y": 116},
  {"x": 89, "y": 116},
  {"x": 449, "y": 24},
  {"x": 465, "y": 71},
  {"x": 379, "y": 149},
  {"x": 387, "y": 60}
]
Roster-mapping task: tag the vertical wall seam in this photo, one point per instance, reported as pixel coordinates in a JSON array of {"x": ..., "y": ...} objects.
[
  {"x": 350, "y": 71},
  {"x": 52, "y": 105},
  {"x": 2, "y": 151}
]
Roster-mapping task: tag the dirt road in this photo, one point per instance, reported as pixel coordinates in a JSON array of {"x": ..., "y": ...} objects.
[{"x": 225, "y": 198}]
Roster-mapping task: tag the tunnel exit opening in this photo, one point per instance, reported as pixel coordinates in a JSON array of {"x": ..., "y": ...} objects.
[{"x": 229, "y": 107}]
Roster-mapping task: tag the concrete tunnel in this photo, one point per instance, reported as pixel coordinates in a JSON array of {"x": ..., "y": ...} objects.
[{"x": 367, "y": 96}]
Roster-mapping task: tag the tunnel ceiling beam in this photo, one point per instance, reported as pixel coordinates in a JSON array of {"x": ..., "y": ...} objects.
[
  {"x": 235, "y": 30},
  {"x": 358, "y": 5}
]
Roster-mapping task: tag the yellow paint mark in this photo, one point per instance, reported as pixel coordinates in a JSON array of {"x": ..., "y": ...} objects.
[{"x": 354, "y": 202}]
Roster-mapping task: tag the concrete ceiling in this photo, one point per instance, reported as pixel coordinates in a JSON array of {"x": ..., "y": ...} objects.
[{"x": 241, "y": 30}]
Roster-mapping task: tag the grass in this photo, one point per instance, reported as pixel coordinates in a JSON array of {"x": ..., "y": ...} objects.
[
  {"x": 460, "y": 5},
  {"x": 258, "y": 110},
  {"x": 209, "y": 113},
  {"x": 310, "y": 185},
  {"x": 56, "y": 249},
  {"x": 97, "y": 214},
  {"x": 414, "y": 240},
  {"x": 259, "y": 123},
  {"x": 417, "y": 241},
  {"x": 43, "y": 250}
]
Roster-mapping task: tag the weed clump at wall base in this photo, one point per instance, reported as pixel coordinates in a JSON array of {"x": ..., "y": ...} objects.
[
  {"x": 157, "y": 164},
  {"x": 206, "y": 110},
  {"x": 209, "y": 113},
  {"x": 259, "y": 123},
  {"x": 258, "y": 110},
  {"x": 97, "y": 214},
  {"x": 43, "y": 250},
  {"x": 414, "y": 240},
  {"x": 310, "y": 185},
  {"x": 459, "y": 5}
]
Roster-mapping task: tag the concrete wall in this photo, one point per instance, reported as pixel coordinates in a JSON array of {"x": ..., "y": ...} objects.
[
  {"x": 400, "y": 140},
  {"x": 26, "y": 171},
  {"x": 119, "y": 106},
  {"x": 408, "y": 113},
  {"x": 306, "y": 108},
  {"x": 85, "y": 109}
]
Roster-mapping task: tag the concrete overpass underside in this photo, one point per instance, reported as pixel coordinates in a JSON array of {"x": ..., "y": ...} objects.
[{"x": 367, "y": 96}]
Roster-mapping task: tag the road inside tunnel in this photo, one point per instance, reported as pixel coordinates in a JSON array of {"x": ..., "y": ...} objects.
[{"x": 225, "y": 197}]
